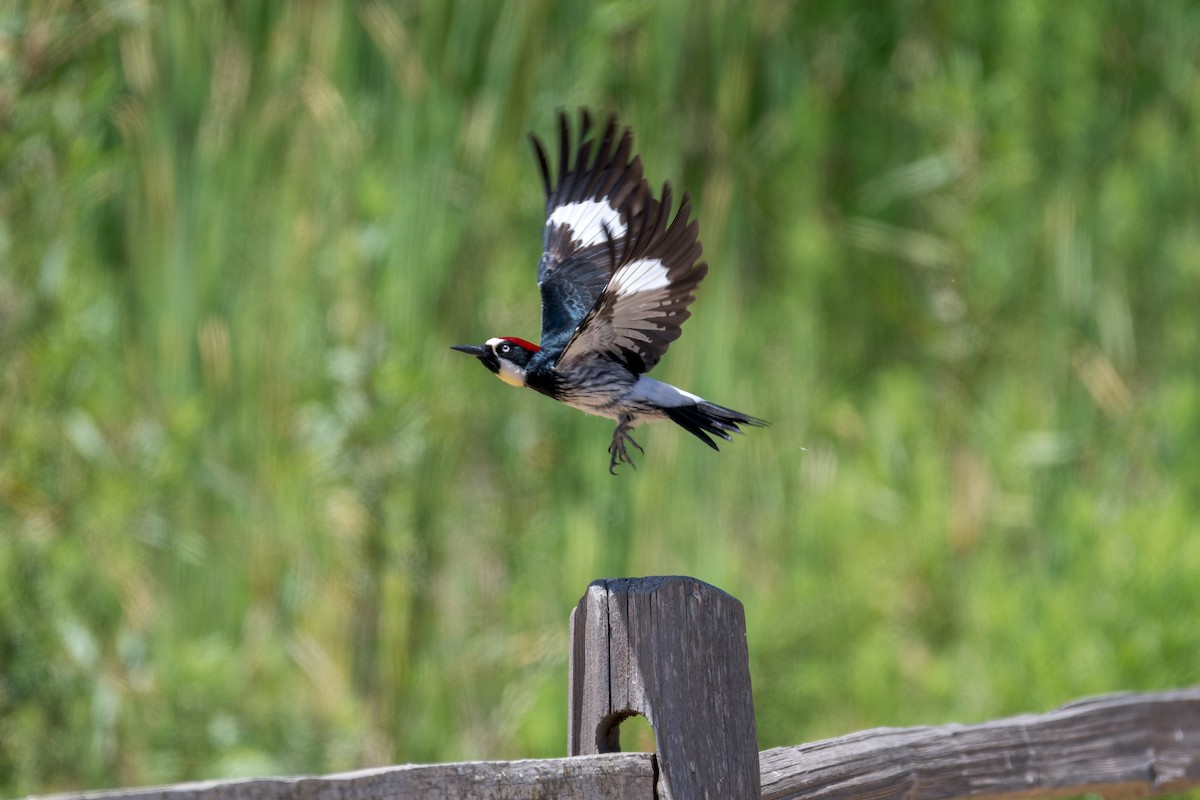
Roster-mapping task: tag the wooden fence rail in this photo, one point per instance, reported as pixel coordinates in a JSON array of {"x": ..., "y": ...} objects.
[
  {"x": 1124, "y": 745},
  {"x": 674, "y": 650}
]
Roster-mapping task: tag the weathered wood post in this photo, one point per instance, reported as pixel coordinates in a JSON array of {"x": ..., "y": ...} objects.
[{"x": 672, "y": 649}]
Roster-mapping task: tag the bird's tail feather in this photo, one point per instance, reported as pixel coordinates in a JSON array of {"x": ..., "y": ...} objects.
[{"x": 701, "y": 419}]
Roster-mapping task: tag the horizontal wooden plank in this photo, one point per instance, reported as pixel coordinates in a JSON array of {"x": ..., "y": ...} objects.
[
  {"x": 1126, "y": 745},
  {"x": 613, "y": 776}
]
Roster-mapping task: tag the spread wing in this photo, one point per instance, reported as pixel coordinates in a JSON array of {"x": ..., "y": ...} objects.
[
  {"x": 638, "y": 314},
  {"x": 589, "y": 204}
]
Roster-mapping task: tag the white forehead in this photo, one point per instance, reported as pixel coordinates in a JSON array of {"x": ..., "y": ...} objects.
[{"x": 495, "y": 340}]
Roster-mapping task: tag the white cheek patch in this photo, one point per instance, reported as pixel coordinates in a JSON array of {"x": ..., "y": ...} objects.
[
  {"x": 511, "y": 374},
  {"x": 640, "y": 276},
  {"x": 587, "y": 219}
]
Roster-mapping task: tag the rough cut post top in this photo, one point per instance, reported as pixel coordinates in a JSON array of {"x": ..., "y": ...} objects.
[{"x": 652, "y": 584}]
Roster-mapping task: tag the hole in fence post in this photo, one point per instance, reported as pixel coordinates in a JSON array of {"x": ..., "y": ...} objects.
[
  {"x": 626, "y": 732},
  {"x": 637, "y": 735}
]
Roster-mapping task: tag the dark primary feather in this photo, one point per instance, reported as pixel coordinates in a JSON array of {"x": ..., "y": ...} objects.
[
  {"x": 575, "y": 265},
  {"x": 636, "y": 325}
]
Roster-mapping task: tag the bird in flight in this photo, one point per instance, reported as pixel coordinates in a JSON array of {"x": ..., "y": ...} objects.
[{"x": 617, "y": 275}]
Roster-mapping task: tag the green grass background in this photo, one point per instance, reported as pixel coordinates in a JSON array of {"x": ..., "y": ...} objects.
[{"x": 256, "y": 517}]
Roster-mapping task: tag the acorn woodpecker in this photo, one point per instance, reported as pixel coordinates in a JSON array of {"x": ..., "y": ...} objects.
[{"x": 617, "y": 275}]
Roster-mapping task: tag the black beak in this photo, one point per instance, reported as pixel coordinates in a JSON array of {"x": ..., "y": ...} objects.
[
  {"x": 477, "y": 350},
  {"x": 482, "y": 352}
]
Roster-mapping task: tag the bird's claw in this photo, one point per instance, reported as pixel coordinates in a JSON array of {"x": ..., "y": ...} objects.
[{"x": 617, "y": 449}]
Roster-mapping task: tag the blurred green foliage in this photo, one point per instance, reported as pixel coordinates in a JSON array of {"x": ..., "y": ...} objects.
[{"x": 256, "y": 518}]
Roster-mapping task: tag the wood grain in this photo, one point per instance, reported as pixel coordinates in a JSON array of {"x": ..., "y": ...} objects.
[
  {"x": 672, "y": 649},
  {"x": 1127, "y": 745},
  {"x": 603, "y": 777}
]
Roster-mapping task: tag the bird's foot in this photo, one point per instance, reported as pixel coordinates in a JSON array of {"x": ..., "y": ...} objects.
[{"x": 617, "y": 449}]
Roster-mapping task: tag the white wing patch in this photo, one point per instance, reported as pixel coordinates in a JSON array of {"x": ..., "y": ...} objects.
[
  {"x": 640, "y": 276},
  {"x": 587, "y": 220}
]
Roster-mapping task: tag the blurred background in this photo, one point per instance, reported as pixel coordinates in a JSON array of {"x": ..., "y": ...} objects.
[{"x": 257, "y": 518}]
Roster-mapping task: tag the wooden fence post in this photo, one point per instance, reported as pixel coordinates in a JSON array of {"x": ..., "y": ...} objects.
[{"x": 672, "y": 649}]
